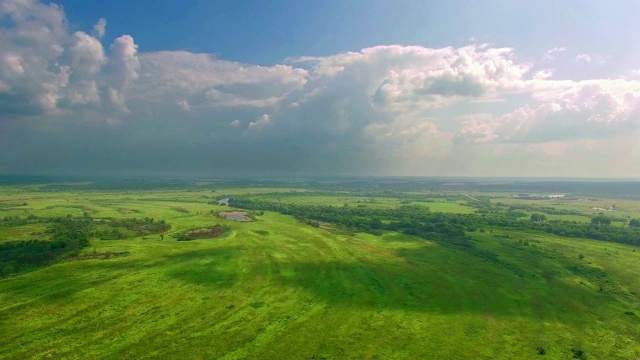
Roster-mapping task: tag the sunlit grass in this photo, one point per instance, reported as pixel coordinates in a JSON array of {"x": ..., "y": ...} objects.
[{"x": 277, "y": 288}]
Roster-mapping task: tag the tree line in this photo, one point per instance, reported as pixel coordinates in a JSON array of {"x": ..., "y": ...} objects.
[
  {"x": 68, "y": 236},
  {"x": 417, "y": 220}
]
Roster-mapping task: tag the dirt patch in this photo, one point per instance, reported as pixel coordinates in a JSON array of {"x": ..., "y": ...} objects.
[
  {"x": 212, "y": 232},
  {"x": 235, "y": 215}
]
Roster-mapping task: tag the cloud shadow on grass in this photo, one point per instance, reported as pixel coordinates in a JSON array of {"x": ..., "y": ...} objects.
[
  {"x": 419, "y": 283},
  {"x": 210, "y": 267}
]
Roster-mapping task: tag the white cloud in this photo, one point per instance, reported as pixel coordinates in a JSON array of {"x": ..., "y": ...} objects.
[
  {"x": 12, "y": 65},
  {"x": 261, "y": 122},
  {"x": 585, "y": 58},
  {"x": 117, "y": 99},
  {"x": 599, "y": 59},
  {"x": 86, "y": 55},
  {"x": 184, "y": 105},
  {"x": 212, "y": 84},
  {"x": 543, "y": 74},
  {"x": 124, "y": 61},
  {"x": 370, "y": 107},
  {"x": 553, "y": 53},
  {"x": 586, "y": 112},
  {"x": 476, "y": 131},
  {"x": 400, "y": 78},
  {"x": 84, "y": 93},
  {"x": 99, "y": 28}
]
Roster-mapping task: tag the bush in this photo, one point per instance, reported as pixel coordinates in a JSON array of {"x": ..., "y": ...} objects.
[
  {"x": 212, "y": 232},
  {"x": 579, "y": 354}
]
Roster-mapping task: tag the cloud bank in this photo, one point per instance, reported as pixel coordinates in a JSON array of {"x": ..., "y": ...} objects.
[{"x": 69, "y": 103}]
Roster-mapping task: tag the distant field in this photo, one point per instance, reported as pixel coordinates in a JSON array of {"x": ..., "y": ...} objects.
[
  {"x": 369, "y": 202},
  {"x": 578, "y": 218},
  {"x": 450, "y": 207},
  {"x": 26, "y": 232},
  {"x": 276, "y": 288},
  {"x": 623, "y": 207},
  {"x": 378, "y": 202}
]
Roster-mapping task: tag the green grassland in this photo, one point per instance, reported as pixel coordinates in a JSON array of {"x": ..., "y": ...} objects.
[
  {"x": 377, "y": 202},
  {"x": 623, "y": 207},
  {"x": 276, "y": 288}
]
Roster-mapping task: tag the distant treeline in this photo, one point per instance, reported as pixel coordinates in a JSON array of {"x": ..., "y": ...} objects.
[
  {"x": 362, "y": 185},
  {"x": 68, "y": 236},
  {"x": 417, "y": 220},
  {"x": 126, "y": 228},
  {"x": 110, "y": 229},
  {"x": 543, "y": 209}
]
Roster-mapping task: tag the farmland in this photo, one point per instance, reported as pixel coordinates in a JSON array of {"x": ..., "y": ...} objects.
[{"x": 375, "y": 282}]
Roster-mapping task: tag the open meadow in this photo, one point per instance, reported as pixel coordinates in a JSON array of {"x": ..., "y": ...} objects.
[{"x": 286, "y": 286}]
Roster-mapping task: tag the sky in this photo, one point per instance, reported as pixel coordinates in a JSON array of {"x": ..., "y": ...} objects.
[{"x": 261, "y": 88}]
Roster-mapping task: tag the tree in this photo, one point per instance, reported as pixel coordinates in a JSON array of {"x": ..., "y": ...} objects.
[
  {"x": 376, "y": 223},
  {"x": 600, "y": 219},
  {"x": 579, "y": 354},
  {"x": 537, "y": 217},
  {"x": 634, "y": 222}
]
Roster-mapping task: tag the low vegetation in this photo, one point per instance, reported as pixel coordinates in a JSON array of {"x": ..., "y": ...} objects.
[
  {"x": 416, "y": 220},
  {"x": 333, "y": 270},
  {"x": 207, "y": 233},
  {"x": 68, "y": 236}
]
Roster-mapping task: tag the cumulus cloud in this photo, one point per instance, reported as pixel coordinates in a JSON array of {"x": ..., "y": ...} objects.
[
  {"x": 587, "y": 111},
  {"x": 212, "y": 83},
  {"x": 543, "y": 74},
  {"x": 31, "y": 47},
  {"x": 99, "y": 28},
  {"x": 553, "y": 53},
  {"x": 184, "y": 105},
  {"x": 86, "y": 55},
  {"x": 409, "y": 109},
  {"x": 261, "y": 122},
  {"x": 124, "y": 61},
  {"x": 585, "y": 58},
  {"x": 47, "y": 70}
]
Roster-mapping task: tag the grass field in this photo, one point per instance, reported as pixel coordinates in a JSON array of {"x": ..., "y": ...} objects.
[
  {"x": 279, "y": 289},
  {"x": 623, "y": 207},
  {"x": 378, "y": 202}
]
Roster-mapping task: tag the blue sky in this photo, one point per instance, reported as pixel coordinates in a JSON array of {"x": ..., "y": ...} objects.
[
  {"x": 265, "y": 32},
  {"x": 474, "y": 88}
]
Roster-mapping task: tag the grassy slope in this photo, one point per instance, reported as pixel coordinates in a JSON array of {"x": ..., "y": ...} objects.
[{"x": 301, "y": 291}]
